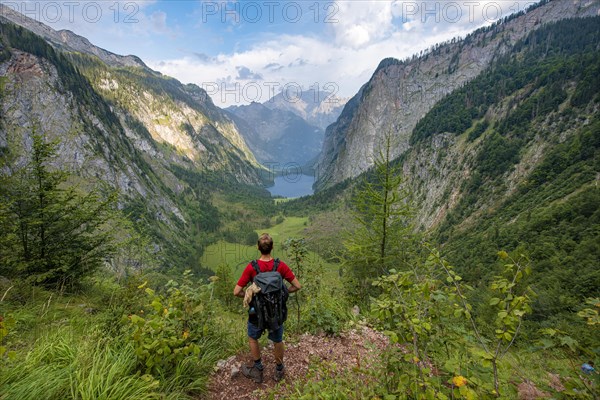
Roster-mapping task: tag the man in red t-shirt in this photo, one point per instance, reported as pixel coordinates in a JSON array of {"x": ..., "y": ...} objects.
[{"x": 265, "y": 263}]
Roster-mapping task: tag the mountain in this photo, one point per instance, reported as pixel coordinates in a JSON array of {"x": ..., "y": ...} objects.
[
  {"x": 277, "y": 136},
  {"x": 68, "y": 41},
  {"x": 401, "y": 93},
  {"x": 510, "y": 162},
  {"x": 162, "y": 144},
  {"x": 318, "y": 108}
]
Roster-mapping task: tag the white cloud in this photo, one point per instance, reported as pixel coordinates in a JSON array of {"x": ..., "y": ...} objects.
[
  {"x": 366, "y": 33},
  {"x": 360, "y": 33},
  {"x": 360, "y": 23}
]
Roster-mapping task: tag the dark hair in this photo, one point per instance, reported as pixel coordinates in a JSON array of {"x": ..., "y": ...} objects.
[{"x": 265, "y": 244}]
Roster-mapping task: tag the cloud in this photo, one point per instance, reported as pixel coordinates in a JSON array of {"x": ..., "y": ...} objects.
[
  {"x": 298, "y": 62},
  {"x": 244, "y": 73},
  {"x": 338, "y": 57},
  {"x": 273, "y": 67},
  {"x": 158, "y": 20},
  {"x": 360, "y": 23}
]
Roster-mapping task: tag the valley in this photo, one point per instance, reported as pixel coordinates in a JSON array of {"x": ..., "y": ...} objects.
[{"x": 444, "y": 221}]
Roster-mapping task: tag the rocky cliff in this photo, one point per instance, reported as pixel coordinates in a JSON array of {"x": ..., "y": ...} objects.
[
  {"x": 157, "y": 141},
  {"x": 400, "y": 93}
]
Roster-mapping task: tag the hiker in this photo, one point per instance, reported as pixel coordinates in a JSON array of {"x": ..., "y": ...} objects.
[{"x": 265, "y": 263}]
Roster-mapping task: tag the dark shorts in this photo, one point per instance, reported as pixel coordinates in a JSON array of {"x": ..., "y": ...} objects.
[{"x": 255, "y": 333}]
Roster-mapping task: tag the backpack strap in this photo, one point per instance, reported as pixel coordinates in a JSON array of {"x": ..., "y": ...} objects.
[{"x": 255, "y": 266}]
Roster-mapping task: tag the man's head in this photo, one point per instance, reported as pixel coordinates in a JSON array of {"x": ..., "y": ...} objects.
[{"x": 265, "y": 244}]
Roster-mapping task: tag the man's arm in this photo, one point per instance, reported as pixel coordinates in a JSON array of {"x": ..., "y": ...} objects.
[
  {"x": 238, "y": 291},
  {"x": 295, "y": 286}
]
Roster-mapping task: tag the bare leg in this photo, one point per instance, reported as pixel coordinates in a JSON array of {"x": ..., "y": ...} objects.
[
  {"x": 278, "y": 352},
  {"x": 254, "y": 348}
]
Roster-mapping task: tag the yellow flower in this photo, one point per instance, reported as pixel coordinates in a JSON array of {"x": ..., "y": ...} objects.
[
  {"x": 186, "y": 334},
  {"x": 459, "y": 381}
]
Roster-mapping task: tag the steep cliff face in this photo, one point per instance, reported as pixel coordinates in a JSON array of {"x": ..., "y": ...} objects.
[
  {"x": 528, "y": 126},
  {"x": 155, "y": 140},
  {"x": 400, "y": 93},
  {"x": 162, "y": 109}
]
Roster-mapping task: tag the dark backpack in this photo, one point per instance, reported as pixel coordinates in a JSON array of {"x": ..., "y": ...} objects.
[{"x": 270, "y": 302}]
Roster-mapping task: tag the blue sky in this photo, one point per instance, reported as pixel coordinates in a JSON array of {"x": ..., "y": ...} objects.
[{"x": 242, "y": 51}]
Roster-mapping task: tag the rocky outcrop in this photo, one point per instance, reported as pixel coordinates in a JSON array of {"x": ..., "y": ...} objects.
[{"x": 400, "y": 93}]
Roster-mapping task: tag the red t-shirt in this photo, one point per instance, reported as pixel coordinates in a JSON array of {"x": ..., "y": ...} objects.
[{"x": 265, "y": 266}]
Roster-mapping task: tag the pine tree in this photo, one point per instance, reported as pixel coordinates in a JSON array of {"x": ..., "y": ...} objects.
[
  {"x": 53, "y": 232},
  {"x": 381, "y": 213}
]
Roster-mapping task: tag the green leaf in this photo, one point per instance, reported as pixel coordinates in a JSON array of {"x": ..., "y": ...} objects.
[
  {"x": 568, "y": 341},
  {"x": 546, "y": 343},
  {"x": 494, "y": 301},
  {"x": 548, "y": 331}
]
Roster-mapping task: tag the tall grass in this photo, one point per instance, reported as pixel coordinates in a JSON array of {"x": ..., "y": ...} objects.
[{"x": 64, "y": 366}]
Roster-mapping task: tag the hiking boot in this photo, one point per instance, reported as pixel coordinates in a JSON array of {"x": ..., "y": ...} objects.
[
  {"x": 279, "y": 374},
  {"x": 252, "y": 373}
]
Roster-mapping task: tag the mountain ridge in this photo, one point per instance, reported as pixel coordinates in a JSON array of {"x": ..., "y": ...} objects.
[
  {"x": 400, "y": 93},
  {"x": 158, "y": 142},
  {"x": 67, "y": 40}
]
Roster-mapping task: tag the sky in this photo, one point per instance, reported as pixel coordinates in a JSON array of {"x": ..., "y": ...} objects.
[{"x": 244, "y": 51}]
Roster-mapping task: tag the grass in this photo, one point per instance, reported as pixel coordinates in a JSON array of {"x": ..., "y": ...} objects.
[
  {"x": 71, "y": 347},
  {"x": 237, "y": 256},
  {"x": 63, "y": 364}
]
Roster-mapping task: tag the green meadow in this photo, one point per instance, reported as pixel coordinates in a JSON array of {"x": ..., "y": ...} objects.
[{"x": 237, "y": 255}]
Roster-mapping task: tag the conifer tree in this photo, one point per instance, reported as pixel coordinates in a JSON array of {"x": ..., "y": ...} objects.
[
  {"x": 381, "y": 214},
  {"x": 54, "y": 233}
]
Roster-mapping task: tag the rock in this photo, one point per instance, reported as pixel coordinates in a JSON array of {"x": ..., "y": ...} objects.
[
  {"x": 223, "y": 363},
  {"x": 235, "y": 371}
]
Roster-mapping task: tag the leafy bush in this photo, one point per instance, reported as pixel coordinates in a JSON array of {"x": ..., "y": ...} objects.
[
  {"x": 171, "y": 329},
  {"x": 427, "y": 308}
]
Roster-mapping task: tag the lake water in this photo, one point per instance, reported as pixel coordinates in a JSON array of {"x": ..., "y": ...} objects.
[{"x": 292, "y": 185}]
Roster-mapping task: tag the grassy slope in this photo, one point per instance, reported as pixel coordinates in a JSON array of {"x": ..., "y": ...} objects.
[{"x": 238, "y": 255}]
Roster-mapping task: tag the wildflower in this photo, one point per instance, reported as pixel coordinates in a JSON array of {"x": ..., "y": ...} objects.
[
  {"x": 186, "y": 334},
  {"x": 459, "y": 381}
]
